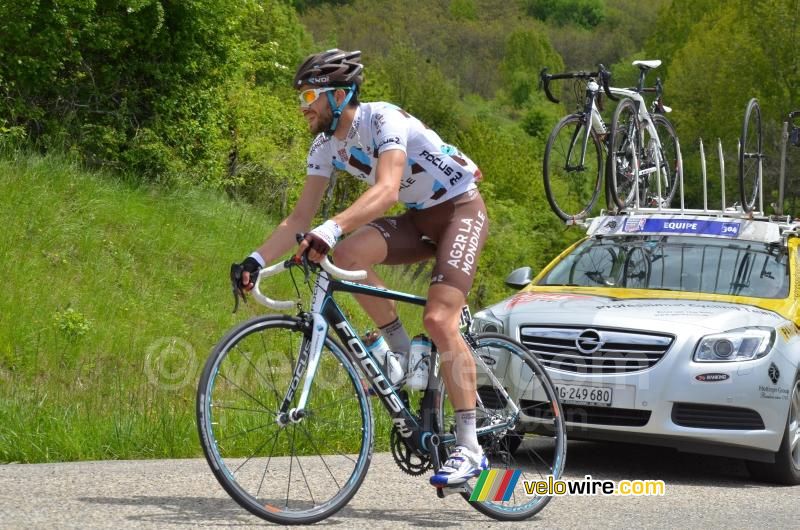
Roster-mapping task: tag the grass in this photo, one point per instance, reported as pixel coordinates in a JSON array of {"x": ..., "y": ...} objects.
[{"x": 114, "y": 296}]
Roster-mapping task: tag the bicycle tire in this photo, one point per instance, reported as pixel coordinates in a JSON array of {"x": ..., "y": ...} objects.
[
  {"x": 572, "y": 189},
  {"x": 238, "y": 397},
  {"x": 622, "y": 162},
  {"x": 750, "y": 155},
  {"x": 536, "y": 448},
  {"x": 672, "y": 164}
]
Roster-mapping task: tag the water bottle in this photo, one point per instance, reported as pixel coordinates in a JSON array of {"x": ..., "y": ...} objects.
[
  {"x": 387, "y": 359},
  {"x": 418, "y": 363}
]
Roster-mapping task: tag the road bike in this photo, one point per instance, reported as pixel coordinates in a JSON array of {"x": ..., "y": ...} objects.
[
  {"x": 572, "y": 166},
  {"x": 286, "y": 423},
  {"x": 644, "y": 166},
  {"x": 573, "y": 171}
]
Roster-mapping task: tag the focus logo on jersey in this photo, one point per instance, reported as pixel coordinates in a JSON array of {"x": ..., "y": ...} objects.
[{"x": 438, "y": 162}]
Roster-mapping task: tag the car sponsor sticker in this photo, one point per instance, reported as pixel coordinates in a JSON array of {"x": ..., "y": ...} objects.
[
  {"x": 678, "y": 225},
  {"x": 773, "y": 373},
  {"x": 526, "y": 297},
  {"x": 773, "y": 392},
  {"x": 788, "y": 331},
  {"x": 712, "y": 378}
]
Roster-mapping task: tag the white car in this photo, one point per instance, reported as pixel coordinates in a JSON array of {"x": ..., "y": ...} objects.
[{"x": 671, "y": 330}]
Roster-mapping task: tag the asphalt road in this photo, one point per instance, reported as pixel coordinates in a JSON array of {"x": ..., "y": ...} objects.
[{"x": 700, "y": 491}]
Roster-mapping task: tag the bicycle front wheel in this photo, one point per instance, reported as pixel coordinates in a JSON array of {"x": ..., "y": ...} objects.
[
  {"x": 520, "y": 426},
  {"x": 572, "y": 175},
  {"x": 287, "y": 470},
  {"x": 750, "y": 155},
  {"x": 622, "y": 171}
]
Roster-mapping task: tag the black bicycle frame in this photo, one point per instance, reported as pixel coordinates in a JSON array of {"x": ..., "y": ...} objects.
[{"x": 396, "y": 404}]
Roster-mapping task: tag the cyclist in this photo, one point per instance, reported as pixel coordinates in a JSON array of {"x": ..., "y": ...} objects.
[{"x": 401, "y": 159}]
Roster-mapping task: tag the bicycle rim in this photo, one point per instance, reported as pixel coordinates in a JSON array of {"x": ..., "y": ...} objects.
[
  {"x": 622, "y": 171},
  {"x": 535, "y": 448},
  {"x": 750, "y": 152},
  {"x": 297, "y": 473},
  {"x": 572, "y": 179}
]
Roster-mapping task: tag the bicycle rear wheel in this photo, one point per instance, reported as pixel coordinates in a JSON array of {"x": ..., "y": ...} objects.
[
  {"x": 520, "y": 426},
  {"x": 572, "y": 177},
  {"x": 284, "y": 470},
  {"x": 622, "y": 163},
  {"x": 670, "y": 160},
  {"x": 750, "y": 156}
]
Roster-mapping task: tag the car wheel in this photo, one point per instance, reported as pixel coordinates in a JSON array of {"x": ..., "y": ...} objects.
[{"x": 786, "y": 469}]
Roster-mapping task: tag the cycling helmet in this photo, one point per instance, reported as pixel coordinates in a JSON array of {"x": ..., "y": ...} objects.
[{"x": 330, "y": 68}]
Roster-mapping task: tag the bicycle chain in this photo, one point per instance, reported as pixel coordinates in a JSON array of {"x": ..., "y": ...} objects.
[{"x": 407, "y": 459}]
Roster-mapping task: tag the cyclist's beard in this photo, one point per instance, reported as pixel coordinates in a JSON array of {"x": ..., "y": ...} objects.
[{"x": 323, "y": 122}]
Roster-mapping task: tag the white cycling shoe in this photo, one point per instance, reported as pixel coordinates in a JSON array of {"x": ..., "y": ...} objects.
[{"x": 462, "y": 465}]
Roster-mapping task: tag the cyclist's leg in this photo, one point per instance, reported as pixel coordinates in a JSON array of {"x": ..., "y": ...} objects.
[
  {"x": 389, "y": 240},
  {"x": 460, "y": 228}
]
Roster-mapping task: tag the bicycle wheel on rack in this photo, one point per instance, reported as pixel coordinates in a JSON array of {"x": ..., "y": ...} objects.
[
  {"x": 287, "y": 471},
  {"x": 535, "y": 443},
  {"x": 636, "y": 274},
  {"x": 622, "y": 163},
  {"x": 595, "y": 266},
  {"x": 750, "y": 156},
  {"x": 671, "y": 163},
  {"x": 572, "y": 176}
]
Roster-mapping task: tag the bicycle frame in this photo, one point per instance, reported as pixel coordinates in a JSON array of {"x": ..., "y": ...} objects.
[
  {"x": 326, "y": 315},
  {"x": 645, "y": 118}
]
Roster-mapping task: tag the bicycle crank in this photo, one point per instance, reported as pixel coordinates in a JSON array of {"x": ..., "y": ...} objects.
[{"x": 408, "y": 460}]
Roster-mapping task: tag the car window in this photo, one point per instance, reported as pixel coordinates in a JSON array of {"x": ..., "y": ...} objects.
[{"x": 676, "y": 263}]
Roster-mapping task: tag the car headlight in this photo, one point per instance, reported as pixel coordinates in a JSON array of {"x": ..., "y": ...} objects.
[
  {"x": 743, "y": 344},
  {"x": 485, "y": 322}
]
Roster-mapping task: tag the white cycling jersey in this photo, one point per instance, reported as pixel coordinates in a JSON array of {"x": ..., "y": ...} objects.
[{"x": 435, "y": 171}]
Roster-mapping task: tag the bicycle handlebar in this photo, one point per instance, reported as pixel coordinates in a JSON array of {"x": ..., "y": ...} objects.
[
  {"x": 279, "y": 267},
  {"x": 602, "y": 74}
]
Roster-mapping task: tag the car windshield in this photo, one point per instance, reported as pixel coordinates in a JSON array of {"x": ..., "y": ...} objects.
[{"x": 676, "y": 263}]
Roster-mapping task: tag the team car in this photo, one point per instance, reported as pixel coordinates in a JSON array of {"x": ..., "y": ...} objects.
[{"x": 668, "y": 329}]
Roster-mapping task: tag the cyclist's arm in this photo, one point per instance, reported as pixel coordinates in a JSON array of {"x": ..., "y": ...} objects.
[
  {"x": 374, "y": 202},
  {"x": 282, "y": 238}
]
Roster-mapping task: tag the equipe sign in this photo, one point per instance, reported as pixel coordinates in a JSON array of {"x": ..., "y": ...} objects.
[{"x": 702, "y": 227}]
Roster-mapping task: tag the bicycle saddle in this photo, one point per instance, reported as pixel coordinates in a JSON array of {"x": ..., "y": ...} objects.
[{"x": 647, "y": 65}]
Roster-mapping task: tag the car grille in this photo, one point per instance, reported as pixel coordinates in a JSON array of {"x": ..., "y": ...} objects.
[
  {"x": 595, "y": 350},
  {"x": 588, "y": 415},
  {"x": 715, "y": 417}
]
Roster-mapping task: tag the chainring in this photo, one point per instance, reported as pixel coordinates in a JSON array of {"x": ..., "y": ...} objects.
[{"x": 408, "y": 460}]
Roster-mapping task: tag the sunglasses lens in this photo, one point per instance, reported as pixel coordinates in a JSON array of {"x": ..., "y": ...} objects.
[{"x": 308, "y": 97}]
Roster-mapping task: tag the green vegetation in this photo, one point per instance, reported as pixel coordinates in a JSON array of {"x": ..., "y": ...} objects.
[
  {"x": 185, "y": 116},
  {"x": 115, "y": 295}
]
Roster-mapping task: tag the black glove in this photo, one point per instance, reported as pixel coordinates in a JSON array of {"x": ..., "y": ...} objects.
[{"x": 250, "y": 265}]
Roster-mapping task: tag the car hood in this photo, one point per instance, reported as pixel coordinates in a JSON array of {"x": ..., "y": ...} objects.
[{"x": 558, "y": 307}]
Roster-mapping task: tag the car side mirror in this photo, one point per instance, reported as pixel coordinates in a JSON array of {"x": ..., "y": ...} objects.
[{"x": 519, "y": 278}]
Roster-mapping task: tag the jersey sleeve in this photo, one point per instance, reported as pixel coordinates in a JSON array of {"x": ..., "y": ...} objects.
[
  {"x": 319, "y": 160},
  {"x": 390, "y": 129}
]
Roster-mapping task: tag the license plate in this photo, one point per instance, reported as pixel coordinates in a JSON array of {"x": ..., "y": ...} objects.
[{"x": 585, "y": 395}]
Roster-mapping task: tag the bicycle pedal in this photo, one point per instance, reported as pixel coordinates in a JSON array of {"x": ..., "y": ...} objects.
[{"x": 444, "y": 491}]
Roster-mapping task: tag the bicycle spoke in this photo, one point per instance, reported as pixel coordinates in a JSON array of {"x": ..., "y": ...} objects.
[
  {"x": 300, "y": 465},
  {"x": 246, "y": 460},
  {"x": 311, "y": 440},
  {"x": 274, "y": 389},
  {"x": 269, "y": 459},
  {"x": 245, "y": 392}
]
